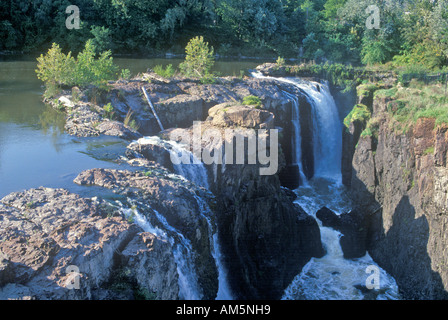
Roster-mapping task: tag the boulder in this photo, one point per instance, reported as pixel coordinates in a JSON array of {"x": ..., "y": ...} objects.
[{"x": 232, "y": 115}]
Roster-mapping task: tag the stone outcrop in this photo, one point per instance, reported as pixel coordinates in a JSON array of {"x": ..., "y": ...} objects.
[
  {"x": 177, "y": 201},
  {"x": 266, "y": 239},
  {"x": 400, "y": 181},
  {"x": 58, "y": 245}
]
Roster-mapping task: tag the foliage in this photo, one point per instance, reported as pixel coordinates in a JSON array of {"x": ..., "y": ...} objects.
[
  {"x": 252, "y": 101},
  {"x": 412, "y": 32},
  {"x": 109, "y": 111},
  {"x": 360, "y": 112},
  {"x": 57, "y": 69},
  {"x": 199, "y": 58},
  {"x": 125, "y": 74},
  {"x": 280, "y": 61},
  {"x": 168, "y": 72}
]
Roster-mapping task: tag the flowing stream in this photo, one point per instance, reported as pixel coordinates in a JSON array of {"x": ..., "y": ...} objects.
[
  {"x": 331, "y": 277},
  {"x": 193, "y": 169}
]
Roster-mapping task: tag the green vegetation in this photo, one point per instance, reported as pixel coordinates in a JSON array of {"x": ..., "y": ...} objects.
[
  {"x": 411, "y": 32},
  {"x": 109, "y": 111},
  {"x": 429, "y": 150},
  {"x": 199, "y": 59},
  {"x": 360, "y": 112},
  {"x": 130, "y": 121},
  {"x": 57, "y": 69},
  {"x": 252, "y": 101},
  {"x": 168, "y": 72},
  {"x": 280, "y": 61},
  {"x": 418, "y": 101}
]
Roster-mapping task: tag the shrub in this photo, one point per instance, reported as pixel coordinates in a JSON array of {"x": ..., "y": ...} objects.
[
  {"x": 168, "y": 72},
  {"x": 199, "y": 58},
  {"x": 280, "y": 61},
  {"x": 109, "y": 111},
  {"x": 57, "y": 69},
  {"x": 360, "y": 112},
  {"x": 252, "y": 101},
  {"x": 125, "y": 74}
]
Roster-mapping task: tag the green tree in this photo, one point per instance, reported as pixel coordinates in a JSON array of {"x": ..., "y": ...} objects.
[{"x": 199, "y": 58}]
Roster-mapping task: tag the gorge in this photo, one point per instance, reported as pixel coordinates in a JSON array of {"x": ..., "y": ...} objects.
[{"x": 145, "y": 227}]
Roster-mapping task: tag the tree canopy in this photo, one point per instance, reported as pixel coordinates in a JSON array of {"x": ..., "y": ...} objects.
[{"x": 410, "y": 31}]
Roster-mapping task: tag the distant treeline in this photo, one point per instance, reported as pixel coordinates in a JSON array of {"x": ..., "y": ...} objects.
[{"x": 408, "y": 32}]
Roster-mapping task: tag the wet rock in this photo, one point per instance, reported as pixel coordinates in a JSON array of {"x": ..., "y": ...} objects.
[{"x": 354, "y": 227}]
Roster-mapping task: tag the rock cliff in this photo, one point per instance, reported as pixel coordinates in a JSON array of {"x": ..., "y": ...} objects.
[{"x": 399, "y": 180}]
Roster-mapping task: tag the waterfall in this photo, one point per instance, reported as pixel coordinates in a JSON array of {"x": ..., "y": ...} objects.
[
  {"x": 224, "y": 292},
  {"x": 193, "y": 170},
  {"x": 189, "y": 288},
  {"x": 327, "y": 130},
  {"x": 327, "y": 127},
  {"x": 332, "y": 276},
  {"x": 296, "y": 139}
]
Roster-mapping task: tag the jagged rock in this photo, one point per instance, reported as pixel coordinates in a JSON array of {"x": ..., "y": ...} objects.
[
  {"x": 117, "y": 129},
  {"x": 176, "y": 200},
  {"x": 266, "y": 238},
  {"x": 400, "y": 182},
  {"x": 354, "y": 228},
  {"x": 231, "y": 115},
  {"x": 45, "y": 234}
]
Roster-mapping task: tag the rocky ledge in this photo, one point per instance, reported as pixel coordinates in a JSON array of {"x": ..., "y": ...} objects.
[
  {"x": 58, "y": 245},
  {"x": 266, "y": 238}
]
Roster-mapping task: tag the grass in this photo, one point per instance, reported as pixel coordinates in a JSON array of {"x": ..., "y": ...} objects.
[
  {"x": 417, "y": 101},
  {"x": 252, "y": 101},
  {"x": 360, "y": 112},
  {"x": 429, "y": 150},
  {"x": 130, "y": 122},
  {"x": 168, "y": 72}
]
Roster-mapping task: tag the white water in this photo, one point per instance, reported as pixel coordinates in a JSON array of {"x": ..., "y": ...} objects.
[
  {"x": 327, "y": 127},
  {"x": 193, "y": 170},
  {"x": 190, "y": 167},
  {"x": 296, "y": 139},
  {"x": 189, "y": 288},
  {"x": 332, "y": 277},
  {"x": 327, "y": 130}
]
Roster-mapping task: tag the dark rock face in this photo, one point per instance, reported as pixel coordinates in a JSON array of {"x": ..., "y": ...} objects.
[
  {"x": 402, "y": 188},
  {"x": 354, "y": 228},
  {"x": 266, "y": 239},
  {"x": 44, "y": 233}
]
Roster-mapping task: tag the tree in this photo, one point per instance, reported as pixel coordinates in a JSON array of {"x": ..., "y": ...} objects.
[{"x": 199, "y": 58}]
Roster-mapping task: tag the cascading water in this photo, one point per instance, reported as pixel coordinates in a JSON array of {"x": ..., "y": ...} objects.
[
  {"x": 332, "y": 276},
  {"x": 327, "y": 129},
  {"x": 193, "y": 170},
  {"x": 189, "y": 288},
  {"x": 296, "y": 138}
]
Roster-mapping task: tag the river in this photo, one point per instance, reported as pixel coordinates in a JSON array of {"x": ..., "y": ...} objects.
[{"x": 35, "y": 151}]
